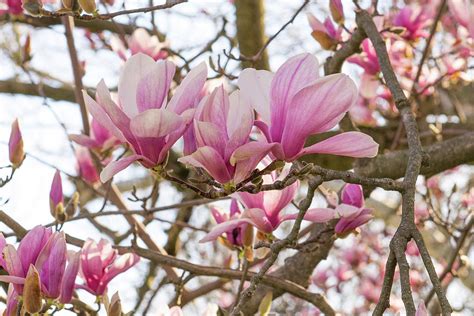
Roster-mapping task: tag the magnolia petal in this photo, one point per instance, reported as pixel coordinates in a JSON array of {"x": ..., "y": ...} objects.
[
  {"x": 134, "y": 69},
  {"x": 315, "y": 108},
  {"x": 243, "y": 167},
  {"x": 120, "y": 265},
  {"x": 259, "y": 219},
  {"x": 348, "y": 224},
  {"x": 315, "y": 215},
  {"x": 222, "y": 228},
  {"x": 352, "y": 194},
  {"x": 350, "y": 144},
  {"x": 347, "y": 211},
  {"x": 67, "y": 285},
  {"x": 209, "y": 159},
  {"x": 115, "y": 167},
  {"x": 209, "y": 134},
  {"x": 153, "y": 87},
  {"x": 295, "y": 74},
  {"x": 83, "y": 140},
  {"x": 101, "y": 116},
  {"x": 12, "y": 279},
  {"x": 32, "y": 244},
  {"x": 255, "y": 86},
  {"x": 155, "y": 123},
  {"x": 239, "y": 120},
  {"x": 276, "y": 200},
  {"x": 189, "y": 91}
]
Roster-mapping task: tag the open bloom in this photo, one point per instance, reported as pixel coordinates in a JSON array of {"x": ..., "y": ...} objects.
[
  {"x": 143, "y": 117},
  {"x": 325, "y": 33},
  {"x": 352, "y": 209},
  {"x": 140, "y": 42},
  {"x": 234, "y": 236},
  {"x": 15, "y": 145},
  {"x": 414, "y": 20},
  {"x": 222, "y": 126},
  {"x": 45, "y": 253},
  {"x": 100, "y": 140},
  {"x": 295, "y": 103},
  {"x": 100, "y": 264}
]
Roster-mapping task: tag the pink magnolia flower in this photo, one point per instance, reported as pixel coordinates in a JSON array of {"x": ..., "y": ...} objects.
[
  {"x": 15, "y": 145},
  {"x": 101, "y": 139},
  {"x": 354, "y": 214},
  {"x": 325, "y": 33},
  {"x": 100, "y": 264},
  {"x": 56, "y": 198},
  {"x": 85, "y": 165},
  {"x": 414, "y": 20},
  {"x": 233, "y": 236},
  {"x": 295, "y": 103},
  {"x": 143, "y": 118},
  {"x": 47, "y": 252},
  {"x": 140, "y": 42},
  {"x": 463, "y": 13},
  {"x": 222, "y": 126}
]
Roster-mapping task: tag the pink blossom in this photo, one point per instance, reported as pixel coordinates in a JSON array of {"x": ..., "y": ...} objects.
[
  {"x": 85, "y": 165},
  {"x": 47, "y": 252},
  {"x": 325, "y": 33},
  {"x": 235, "y": 235},
  {"x": 140, "y": 42},
  {"x": 222, "y": 126},
  {"x": 100, "y": 264},
  {"x": 295, "y": 103},
  {"x": 414, "y": 20},
  {"x": 421, "y": 310},
  {"x": 367, "y": 59},
  {"x": 355, "y": 214},
  {"x": 143, "y": 118},
  {"x": 15, "y": 145},
  {"x": 11, "y": 7},
  {"x": 101, "y": 139}
]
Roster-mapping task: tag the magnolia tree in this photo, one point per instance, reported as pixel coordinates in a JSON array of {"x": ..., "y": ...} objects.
[{"x": 197, "y": 164}]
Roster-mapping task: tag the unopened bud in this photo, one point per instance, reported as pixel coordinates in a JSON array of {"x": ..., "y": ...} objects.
[
  {"x": 33, "y": 7},
  {"x": 248, "y": 254},
  {"x": 247, "y": 237},
  {"x": 114, "y": 306},
  {"x": 32, "y": 301},
  {"x": 73, "y": 205},
  {"x": 68, "y": 4},
  {"x": 15, "y": 145},
  {"x": 88, "y": 6},
  {"x": 337, "y": 12}
]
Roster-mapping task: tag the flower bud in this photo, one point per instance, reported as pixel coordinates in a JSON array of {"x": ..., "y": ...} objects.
[
  {"x": 114, "y": 306},
  {"x": 88, "y": 6},
  {"x": 68, "y": 4},
  {"x": 337, "y": 12},
  {"x": 15, "y": 145},
  {"x": 33, "y": 7},
  {"x": 247, "y": 238},
  {"x": 56, "y": 200},
  {"x": 32, "y": 301}
]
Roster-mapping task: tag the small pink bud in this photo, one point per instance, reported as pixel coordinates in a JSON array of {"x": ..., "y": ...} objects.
[
  {"x": 56, "y": 200},
  {"x": 15, "y": 145},
  {"x": 337, "y": 12}
]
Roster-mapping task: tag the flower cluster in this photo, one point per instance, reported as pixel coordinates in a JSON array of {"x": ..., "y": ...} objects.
[
  {"x": 403, "y": 30},
  {"x": 42, "y": 268}
]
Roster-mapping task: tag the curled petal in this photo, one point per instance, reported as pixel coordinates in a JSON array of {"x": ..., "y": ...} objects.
[
  {"x": 255, "y": 87},
  {"x": 209, "y": 159},
  {"x": 351, "y": 144},
  {"x": 315, "y": 215},
  {"x": 115, "y": 167}
]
